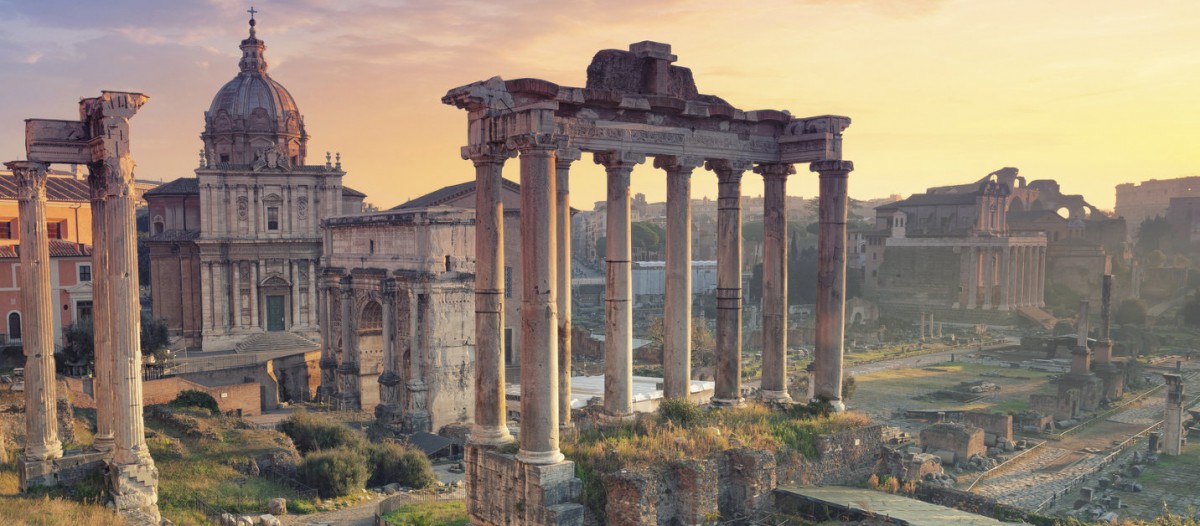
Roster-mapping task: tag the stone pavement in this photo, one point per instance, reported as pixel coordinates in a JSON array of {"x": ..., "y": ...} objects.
[{"x": 908, "y": 510}]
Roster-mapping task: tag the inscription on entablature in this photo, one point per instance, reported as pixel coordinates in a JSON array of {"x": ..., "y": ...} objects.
[
  {"x": 731, "y": 143},
  {"x": 588, "y": 131}
]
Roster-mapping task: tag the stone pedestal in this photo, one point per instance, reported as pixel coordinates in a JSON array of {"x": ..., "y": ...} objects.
[
  {"x": 502, "y": 490},
  {"x": 831, "y": 279}
]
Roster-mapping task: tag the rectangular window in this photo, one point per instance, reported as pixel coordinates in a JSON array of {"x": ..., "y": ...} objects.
[
  {"x": 6, "y": 230},
  {"x": 272, "y": 218},
  {"x": 53, "y": 230},
  {"x": 85, "y": 273},
  {"x": 83, "y": 310},
  {"x": 507, "y": 282}
]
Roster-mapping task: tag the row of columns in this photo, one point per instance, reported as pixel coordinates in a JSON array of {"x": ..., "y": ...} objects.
[
  {"x": 545, "y": 254},
  {"x": 116, "y": 311},
  {"x": 1015, "y": 272}
]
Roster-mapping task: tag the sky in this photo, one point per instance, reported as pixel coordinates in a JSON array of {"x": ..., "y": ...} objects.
[{"x": 1092, "y": 93}]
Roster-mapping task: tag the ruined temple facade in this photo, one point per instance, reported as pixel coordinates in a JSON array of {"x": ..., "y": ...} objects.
[
  {"x": 397, "y": 304},
  {"x": 235, "y": 250},
  {"x": 985, "y": 250}
]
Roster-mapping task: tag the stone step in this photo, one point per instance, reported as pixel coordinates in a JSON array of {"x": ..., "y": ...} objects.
[{"x": 276, "y": 341}]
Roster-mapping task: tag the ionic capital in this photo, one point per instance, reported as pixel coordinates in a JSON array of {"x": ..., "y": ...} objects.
[
  {"x": 487, "y": 153},
  {"x": 728, "y": 170},
  {"x": 678, "y": 163},
  {"x": 836, "y": 168},
  {"x": 31, "y": 179},
  {"x": 774, "y": 170},
  {"x": 533, "y": 143},
  {"x": 618, "y": 160}
]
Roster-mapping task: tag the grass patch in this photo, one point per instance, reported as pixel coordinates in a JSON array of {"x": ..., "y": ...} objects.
[
  {"x": 443, "y": 513},
  {"x": 46, "y": 511}
]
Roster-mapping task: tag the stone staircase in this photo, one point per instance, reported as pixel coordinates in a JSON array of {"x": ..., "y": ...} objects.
[
  {"x": 1038, "y": 316},
  {"x": 276, "y": 342}
]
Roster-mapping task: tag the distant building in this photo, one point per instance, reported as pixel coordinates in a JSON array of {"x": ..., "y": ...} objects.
[{"x": 1137, "y": 202}]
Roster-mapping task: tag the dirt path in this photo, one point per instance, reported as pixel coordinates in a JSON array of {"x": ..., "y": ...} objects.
[{"x": 360, "y": 514}]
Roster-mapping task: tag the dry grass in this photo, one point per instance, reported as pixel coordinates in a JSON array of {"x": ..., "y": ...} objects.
[{"x": 21, "y": 511}]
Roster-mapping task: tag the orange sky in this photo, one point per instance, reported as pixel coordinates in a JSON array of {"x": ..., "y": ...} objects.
[{"x": 1092, "y": 93}]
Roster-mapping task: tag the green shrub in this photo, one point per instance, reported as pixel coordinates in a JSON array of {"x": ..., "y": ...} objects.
[
  {"x": 391, "y": 462},
  {"x": 334, "y": 473},
  {"x": 680, "y": 412},
  {"x": 315, "y": 433},
  {"x": 193, "y": 398}
]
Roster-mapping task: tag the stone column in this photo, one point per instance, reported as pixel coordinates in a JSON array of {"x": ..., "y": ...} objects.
[
  {"x": 1005, "y": 277},
  {"x": 311, "y": 320},
  {"x": 1022, "y": 275},
  {"x": 1104, "y": 346},
  {"x": 618, "y": 285},
  {"x": 989, "y": 275},
  {"x": 677, "y": 315},
  {"x": 254, "y": 322},
  {"x": 389, "y": 411},
  {"x": 1040, "y": 280},
  {"x": 728, "y": 391},
  {"x": 37, "y": 316},
  {"x": 101, "y": 320},
  {"x": 236, "y": 288},
  {"x": 1173, "y": 416},
  {"x": 329, "y": 359},
  {"x": 972, "y": 283},
  {"x": 491, "y": 414},
  {"x": 562, "y": 212},
  {"x": 831, "y": 279},
  {"x": 295, "y": 268},
  {"x": 774, "y": 281},
  {"x": 539, "y": 309},
  {"x": 133, "y": 479},
  {"x": 348, "y": 394},
  {"x": 206, "y": 286}
]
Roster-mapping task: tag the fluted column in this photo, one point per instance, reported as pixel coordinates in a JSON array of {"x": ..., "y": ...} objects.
[
  {"x": 254, "y": 322},
  {"x": 295, "y": 301},
  {"x": 101, "y": 321},
  {"x": 618, "y": 285},
  {"x": 989, "y": 274},
  {"x": 1039, "y": 296},
  {"x": 311, "y": 319},
  {"x": 539, "y": 309},
  {"x": 1005, "y": 277},
  {"x": 728, "y": 390},
  {"x": 236, "y": 288},
  {"x": 677, "y": 315},
  {"x": 562, "y": 211},
  {"x": 491, "y": 418},
  {"x": 774, "y": 281},
  {"x": 831, "y": 279},
  {"x": 972, "y": 282},
  {"x": 37, "y": 316}
]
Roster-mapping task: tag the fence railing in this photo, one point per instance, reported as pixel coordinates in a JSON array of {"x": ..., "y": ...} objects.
[
  {"x": 210, "y": 512},
  {"x": 302, "y": 490}
]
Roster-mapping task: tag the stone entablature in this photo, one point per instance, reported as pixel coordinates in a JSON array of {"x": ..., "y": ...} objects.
[{"x": 397, "y": 299}]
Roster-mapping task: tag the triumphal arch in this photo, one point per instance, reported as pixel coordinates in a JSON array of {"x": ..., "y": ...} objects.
[{"x": 636, "y": 107}]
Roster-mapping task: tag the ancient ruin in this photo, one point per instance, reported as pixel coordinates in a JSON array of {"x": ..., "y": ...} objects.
[
  {"x": 100, "y": 139},
  {"x": 636, "y": 104}
]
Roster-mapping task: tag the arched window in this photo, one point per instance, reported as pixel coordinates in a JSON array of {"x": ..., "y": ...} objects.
[{"x": 14, "y": 326}]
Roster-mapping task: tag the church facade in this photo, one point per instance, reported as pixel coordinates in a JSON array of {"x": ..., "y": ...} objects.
[{"x": 235, "y": 251}]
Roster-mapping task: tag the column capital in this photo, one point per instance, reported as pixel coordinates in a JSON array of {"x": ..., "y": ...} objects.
[
  {"x": 617, "y": 160},
  {"x": 487, "y": 153},
  {"x": 773, "y": 170},
  {"x": 31, "y": 179},
  {"x": 678, "y": 163},
  {"x": 389, "y": 291},
  {"x": 832, "y": 167},
  {"x": 728, "y": 168},
  {"x": 543, "y": 143}
]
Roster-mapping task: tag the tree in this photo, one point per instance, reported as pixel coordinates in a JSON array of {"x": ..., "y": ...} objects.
[
  {"x": 704, "y": 346},
  {"x": 1155, "y": 259},
  {"x": 1153, "y": 234},
  {"x": 78, "y": 343},
  {"x": 1131, "y": 312},
  {"x": 155, "y": 336}
]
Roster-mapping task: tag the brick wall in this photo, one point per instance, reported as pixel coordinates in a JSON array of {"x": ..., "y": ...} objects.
[
  {"x": 996, "y": 424},
  {"x": 230, "y": 398}
]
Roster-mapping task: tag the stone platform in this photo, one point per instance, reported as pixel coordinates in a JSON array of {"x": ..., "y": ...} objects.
[
  {"x": 65, "y": 471},
  {"x": 833, "y": 502},
  {"x": 502, "y": 490}
]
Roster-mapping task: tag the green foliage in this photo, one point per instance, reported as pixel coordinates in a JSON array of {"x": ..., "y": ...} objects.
[
  {"x": 78, "y": 340},
  {"x": 1191, "y": 311},
  {"x": 194, "y": 398},
  {"x": 849, "y": 386},
  {"x": 1131, "y": 312},
  {"x": 155, "y": 335},
  {"x": 680, "y": 412},
  {"x": 334, "y": 473},
  {"x": 315, "y": 433},
  {"x": 1152, "y": 235},
  {"x": 1155, "y": 259},
  {"x": 704, "y": 345},
  {"x": 393, "y": 463},
  {"x": 444, "y": 513}
]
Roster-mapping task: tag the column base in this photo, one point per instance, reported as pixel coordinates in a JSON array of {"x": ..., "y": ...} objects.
[
  {"x": 728, "y": 402},
  {"x": 540, "y": 457},
  {"x": 134, "y": 491},
  {"x": 104, "y": 445},
  {"x": 489, "y": 435},
  {"x": 614, "y": 419},
  {"x": 775, "y": 397},
  {"x": 837, "y": 406},
  {"x": 47, "y": 452}
]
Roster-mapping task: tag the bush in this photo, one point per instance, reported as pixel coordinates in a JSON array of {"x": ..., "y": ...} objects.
[
  {"x": 193, "y": 398},
  {"x": 1131, "y": 312},
  {"x": 391, "y": 462},
  {"x": 680, "y": 412},
  {"x": 314, "y": 433},
  {"x": 335, "y": 473}
]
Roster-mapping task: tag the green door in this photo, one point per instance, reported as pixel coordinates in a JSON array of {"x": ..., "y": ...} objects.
[{"x": 274, "y": 313}]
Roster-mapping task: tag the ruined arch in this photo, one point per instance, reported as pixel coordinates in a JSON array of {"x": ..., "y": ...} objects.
[{"x": 370, "y": 352}]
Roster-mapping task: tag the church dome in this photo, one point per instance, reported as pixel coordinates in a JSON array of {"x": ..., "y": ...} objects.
[{"x": 253, "y": 114}]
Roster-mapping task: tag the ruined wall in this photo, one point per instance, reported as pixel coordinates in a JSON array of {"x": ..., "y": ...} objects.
[
  {"x": 259, "y": 374},
  {"x": 243, "y": 397},
  {"x": 996, "y": 424},
  {"x": 847, "y": 457},
  {"x": 919, "y": 275},
  {"x": 964, "y": 441},
  {"x": 502, "y": 491}
]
